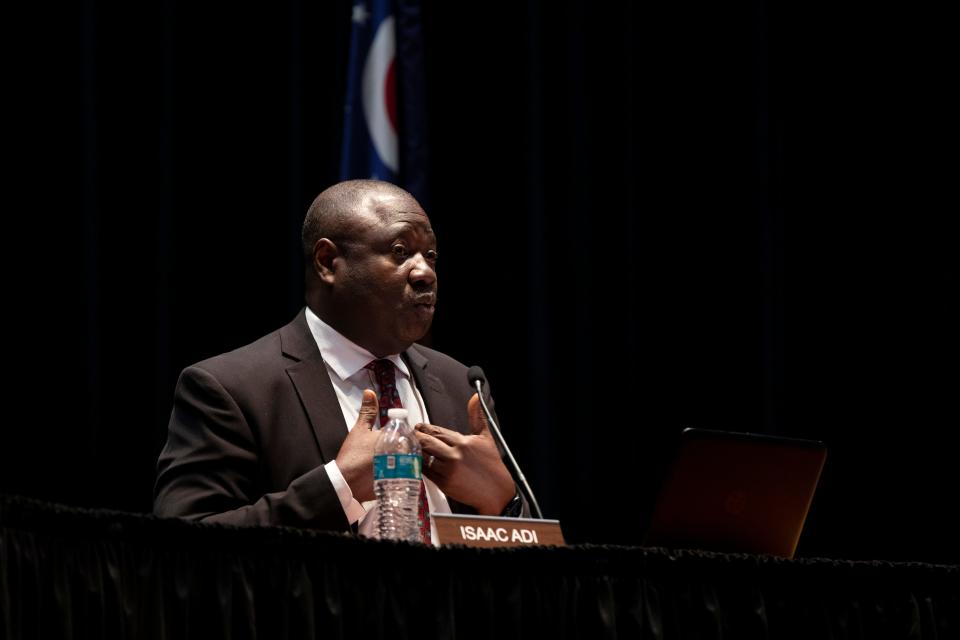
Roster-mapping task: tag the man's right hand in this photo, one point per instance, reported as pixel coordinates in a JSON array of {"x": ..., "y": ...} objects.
[{"x": 355, "y": 458}]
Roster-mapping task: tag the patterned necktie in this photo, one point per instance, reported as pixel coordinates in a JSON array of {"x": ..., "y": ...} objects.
[{"x": 386, "y": 376}]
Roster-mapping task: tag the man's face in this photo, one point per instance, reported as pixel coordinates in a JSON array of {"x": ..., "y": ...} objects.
[{"x": 385, "y": 285}]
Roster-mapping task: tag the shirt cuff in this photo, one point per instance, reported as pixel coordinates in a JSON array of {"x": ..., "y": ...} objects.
[{"x": 351, "y": 508}]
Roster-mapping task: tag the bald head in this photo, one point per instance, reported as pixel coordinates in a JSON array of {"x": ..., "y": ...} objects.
[
  {"x": 334, "y": 212},
  {"x": 371, "y": 264}
]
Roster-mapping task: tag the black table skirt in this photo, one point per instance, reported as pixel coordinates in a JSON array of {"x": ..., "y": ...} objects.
[{"x": 77, "y": 573}]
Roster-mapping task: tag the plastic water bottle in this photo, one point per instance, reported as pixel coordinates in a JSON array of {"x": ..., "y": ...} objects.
[{"x": 396, "y": 479}]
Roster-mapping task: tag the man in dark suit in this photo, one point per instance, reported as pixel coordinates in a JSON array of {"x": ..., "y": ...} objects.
[{"x": 260, "y": 435}]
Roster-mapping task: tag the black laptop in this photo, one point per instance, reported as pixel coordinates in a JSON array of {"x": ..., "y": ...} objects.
[{"x": 737, "y": 493}]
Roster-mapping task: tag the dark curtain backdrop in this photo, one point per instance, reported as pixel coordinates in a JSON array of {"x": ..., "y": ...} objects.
[{"x": 725, "y": 215}]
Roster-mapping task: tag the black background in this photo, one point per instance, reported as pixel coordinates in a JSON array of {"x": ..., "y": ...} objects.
[{"x": 726, "y": 215}]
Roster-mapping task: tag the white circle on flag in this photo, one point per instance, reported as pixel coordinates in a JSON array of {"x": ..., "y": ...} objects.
[{"x": 377, "y": 75}]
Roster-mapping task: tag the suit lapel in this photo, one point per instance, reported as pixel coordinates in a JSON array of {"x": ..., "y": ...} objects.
[
  {"x": 309, "y": 376},
  {"x": 439, "y": 406},
  {"x": 443, "y": 408}
]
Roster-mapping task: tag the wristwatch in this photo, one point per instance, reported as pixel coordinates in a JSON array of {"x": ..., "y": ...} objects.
[{"x": 514, "y": 508}]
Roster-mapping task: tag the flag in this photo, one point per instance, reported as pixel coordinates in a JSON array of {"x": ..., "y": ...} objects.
[{"x": 384, "y": 133}]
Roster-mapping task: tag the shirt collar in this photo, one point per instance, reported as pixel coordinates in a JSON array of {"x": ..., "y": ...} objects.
[{"x": 344, "y": 357}]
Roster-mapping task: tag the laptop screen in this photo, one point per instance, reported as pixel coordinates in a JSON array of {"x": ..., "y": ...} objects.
[{"x": 737, "y": 493}]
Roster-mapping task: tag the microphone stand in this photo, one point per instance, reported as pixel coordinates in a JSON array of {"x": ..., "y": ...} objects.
[{"x": 503, "y": 445}]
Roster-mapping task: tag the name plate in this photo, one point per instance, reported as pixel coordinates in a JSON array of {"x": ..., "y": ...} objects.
[{"x": 490, "y": 531}]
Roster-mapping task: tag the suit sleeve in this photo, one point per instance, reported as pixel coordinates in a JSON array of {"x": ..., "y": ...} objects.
[{"x": 209, "y": 469}]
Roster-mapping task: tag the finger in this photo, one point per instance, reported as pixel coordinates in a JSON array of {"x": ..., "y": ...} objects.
[
  {"x": 431, "y": 446},
  {"x": 476, "y": 416},
  {"x": 446, "y": 436},
  {"x": 369, "y": 410}
]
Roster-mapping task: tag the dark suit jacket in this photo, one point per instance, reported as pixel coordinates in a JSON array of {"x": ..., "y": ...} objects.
[{"x": 251, "y": 430}]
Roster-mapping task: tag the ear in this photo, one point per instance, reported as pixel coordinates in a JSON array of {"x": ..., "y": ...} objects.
[{"x": 324, "y": 254}]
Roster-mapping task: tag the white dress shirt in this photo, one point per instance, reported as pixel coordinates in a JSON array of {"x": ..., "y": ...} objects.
[{"x": 346, "y": 364}]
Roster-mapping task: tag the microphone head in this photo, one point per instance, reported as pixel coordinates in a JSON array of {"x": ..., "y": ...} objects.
[{"x": 474, "y": 374}]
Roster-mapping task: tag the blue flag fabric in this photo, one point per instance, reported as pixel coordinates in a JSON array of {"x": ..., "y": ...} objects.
[{"x": 384, "y": 135}]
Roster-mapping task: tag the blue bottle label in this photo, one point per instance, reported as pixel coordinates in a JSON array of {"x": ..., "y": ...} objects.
[{"x": 402, "y": 466}]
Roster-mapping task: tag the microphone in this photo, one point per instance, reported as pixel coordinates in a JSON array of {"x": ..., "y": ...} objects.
[{"x": 476, "y": 379}]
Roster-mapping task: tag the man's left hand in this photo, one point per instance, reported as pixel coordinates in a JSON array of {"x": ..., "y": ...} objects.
[{"x": 467, "y": 468}]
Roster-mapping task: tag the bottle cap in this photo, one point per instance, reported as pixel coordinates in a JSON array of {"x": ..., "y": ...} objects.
[{"x": 397, "y": 414}]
